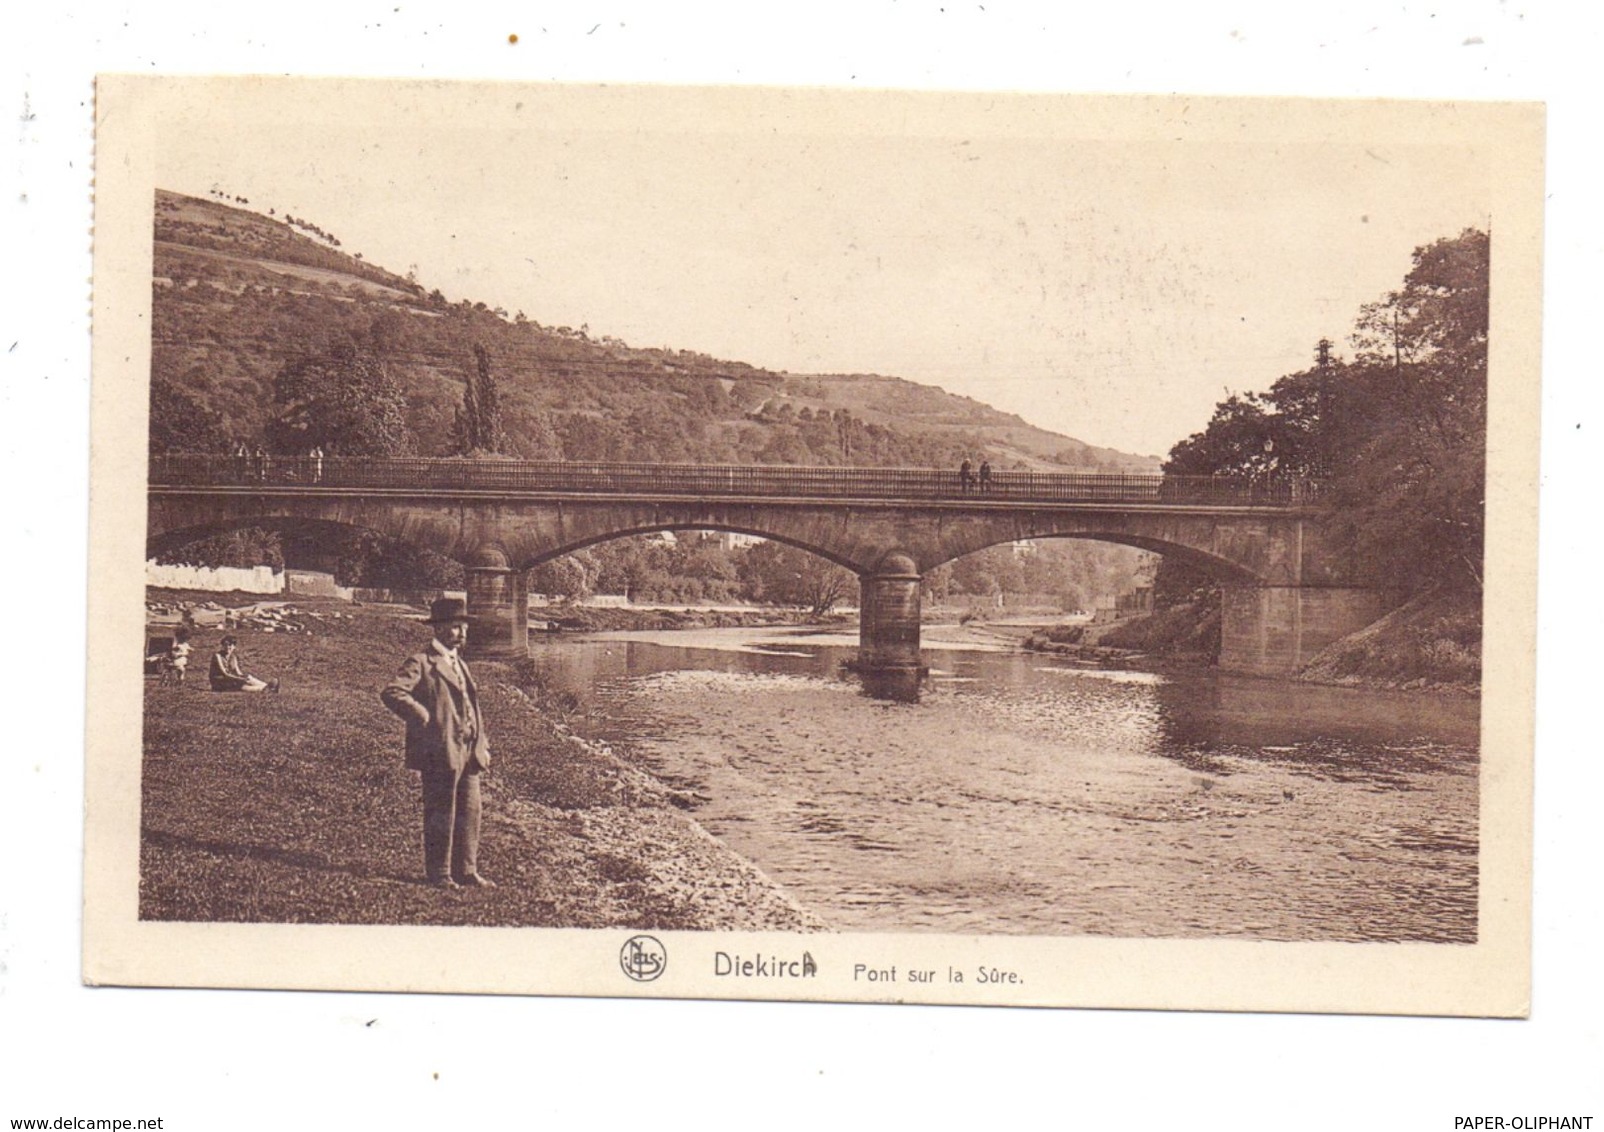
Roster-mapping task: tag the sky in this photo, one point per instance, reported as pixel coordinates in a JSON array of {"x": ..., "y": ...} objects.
[{"x": 1108, "y": 273}]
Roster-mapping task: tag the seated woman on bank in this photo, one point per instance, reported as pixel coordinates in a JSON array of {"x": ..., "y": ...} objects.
[{"x": 227, "y": 676}]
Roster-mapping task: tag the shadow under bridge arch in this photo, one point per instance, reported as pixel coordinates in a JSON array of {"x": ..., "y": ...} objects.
[
  {"x": 1238, "y": 550},
  {"x": 536, "y": 533},
  {"x": 1220, "y": 569},
  {"x": 543, "y": 556},
  {"x": 307, "y": 544},
  {"x": 177, "y": 519}
]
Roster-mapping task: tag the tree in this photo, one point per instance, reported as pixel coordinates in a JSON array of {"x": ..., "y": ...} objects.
[
  {"x": 701, "y": 559},
  {"x": 1440, "y": 314},
  {"x": 1410, "y": 502},
  {"x": 568, "y": 577},
  {"x": 1398, "y": 435},
  {"x": 987, "y": 573},
  {"x": 343, "y": 401},
  {"x": 783, "y": 575},
  {"x": 624, "y": 566},
  {"x": 385, "y": 333},
  {"x": 243, "y": 548},
  {"x": 538, "y": 438},
  {"x": 478, "y": 429},
  {"x": 586, "y": 436},
  {"x": 1239, "y": 439},
  {"x": 179, "y": 422}
]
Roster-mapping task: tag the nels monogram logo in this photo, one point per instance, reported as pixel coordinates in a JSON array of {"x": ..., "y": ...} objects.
[{"x": 643, "y": 958}]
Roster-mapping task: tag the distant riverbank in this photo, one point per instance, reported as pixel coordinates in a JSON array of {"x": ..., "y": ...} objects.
[{"x": 572, "y": 617}]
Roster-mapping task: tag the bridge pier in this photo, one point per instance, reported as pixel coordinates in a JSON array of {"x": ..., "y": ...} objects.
[
  {"x": 1275, "y": 630},
  {"x": 498, "y": 607},
  {"x": 888, "y": 629}
]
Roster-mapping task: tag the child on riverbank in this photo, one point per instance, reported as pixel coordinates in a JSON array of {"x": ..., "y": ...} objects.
[
  {"x": 227, "y": 675},
  {"x": 178, "y": 654}
]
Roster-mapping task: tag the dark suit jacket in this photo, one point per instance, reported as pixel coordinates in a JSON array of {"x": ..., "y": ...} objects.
[{"x": 445, "y": 731}]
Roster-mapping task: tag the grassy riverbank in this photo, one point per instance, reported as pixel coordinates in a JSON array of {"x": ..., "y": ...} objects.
[{"x": 295, "y": 807}]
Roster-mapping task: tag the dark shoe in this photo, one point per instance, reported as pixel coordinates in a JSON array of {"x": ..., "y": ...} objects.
[
  {"x": 273, "y": 685},
  {"x": 443, "y": 882},
  {"x": 474, "y": 880}
]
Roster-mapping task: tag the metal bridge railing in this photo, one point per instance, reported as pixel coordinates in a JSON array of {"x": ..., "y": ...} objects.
[{"x": 713, "y": 480}]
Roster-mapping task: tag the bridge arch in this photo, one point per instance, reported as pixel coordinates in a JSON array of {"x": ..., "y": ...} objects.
[
  {"x": 176, "y": 518},
  {"x": 171, "y": 540},
  {"x": 1222, "y": 570},
  {"x": 1236, "y": 548},
  {"x": 543, "y": 556}
]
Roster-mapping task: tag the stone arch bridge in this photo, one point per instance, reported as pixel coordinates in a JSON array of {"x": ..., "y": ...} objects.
[{"x": 1286, "y": 595}]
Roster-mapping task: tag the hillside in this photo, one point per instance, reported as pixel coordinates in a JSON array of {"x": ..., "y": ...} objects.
[
  {"x": 893, "y": 401},
  {"x": 239, "y": 296}
]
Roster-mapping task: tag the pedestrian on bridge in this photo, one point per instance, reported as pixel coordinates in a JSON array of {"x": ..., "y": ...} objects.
[
  {"x": 434, "y": 693},
  {"x": 985, "y": 476},
  {"x": 966, "y": 476}
]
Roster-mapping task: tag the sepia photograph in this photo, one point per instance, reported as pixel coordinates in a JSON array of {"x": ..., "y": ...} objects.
[{"x": 786, "y": 543}]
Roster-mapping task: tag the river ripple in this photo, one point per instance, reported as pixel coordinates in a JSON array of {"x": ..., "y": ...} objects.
[{"x": 1023, "y": 796}]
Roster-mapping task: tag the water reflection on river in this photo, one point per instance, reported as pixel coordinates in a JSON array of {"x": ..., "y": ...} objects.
[{"x": 1025, "y": 796}]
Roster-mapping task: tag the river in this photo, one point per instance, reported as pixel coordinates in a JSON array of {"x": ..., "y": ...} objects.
[{"x": 1022, "y": 795}]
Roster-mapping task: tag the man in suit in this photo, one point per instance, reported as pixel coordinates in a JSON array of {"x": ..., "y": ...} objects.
[{"x": 435, "y": 695}]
